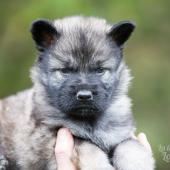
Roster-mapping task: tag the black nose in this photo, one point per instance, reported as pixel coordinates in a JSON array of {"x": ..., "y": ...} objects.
[{"x": 84, "y": 95}]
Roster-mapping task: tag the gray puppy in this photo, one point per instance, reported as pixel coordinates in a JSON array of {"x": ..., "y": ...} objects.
[{"x": 80, "y": 82}]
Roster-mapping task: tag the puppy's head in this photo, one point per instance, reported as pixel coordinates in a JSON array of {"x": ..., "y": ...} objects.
[{"x": 80, "y": 63}]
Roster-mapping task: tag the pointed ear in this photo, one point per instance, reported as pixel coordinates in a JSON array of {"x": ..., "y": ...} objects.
[
  {"x": 44, "y": 33},
  {"x": 121, "y": 32}
]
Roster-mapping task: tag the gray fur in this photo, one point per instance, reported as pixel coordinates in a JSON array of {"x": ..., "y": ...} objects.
[{"x": 70, "y": 52}]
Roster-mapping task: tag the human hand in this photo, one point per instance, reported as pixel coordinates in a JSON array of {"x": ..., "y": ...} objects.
[
  {"x": 64, "y": 150},
  {"x": 143, "y": 140},
  {"x": 65, "y": 145}
]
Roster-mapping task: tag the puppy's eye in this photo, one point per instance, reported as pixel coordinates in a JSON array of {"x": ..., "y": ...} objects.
[
  {"x": 62, "y": 70},
  {"x": 65, "y": 70},
  {"x": 100, "y": 70}
]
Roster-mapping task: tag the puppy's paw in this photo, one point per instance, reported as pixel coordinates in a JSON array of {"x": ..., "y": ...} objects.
[
  {"x": 131, "y": 155},
  {"x": 92, "y": 158},
  {"x": 3, "y": 163}
]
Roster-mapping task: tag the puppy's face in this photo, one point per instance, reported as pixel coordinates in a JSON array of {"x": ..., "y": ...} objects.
[
  {"x": 84, "y": 93},
  {"x": 78, "y": 63}
]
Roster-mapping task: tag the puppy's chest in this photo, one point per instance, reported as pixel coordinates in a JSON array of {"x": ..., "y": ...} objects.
[
  {"x": 36, "y": 150},
  {"x": 104, "y": 137}
]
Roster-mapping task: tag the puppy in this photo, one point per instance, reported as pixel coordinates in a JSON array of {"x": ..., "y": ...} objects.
[{"x": 80, "y": 81}]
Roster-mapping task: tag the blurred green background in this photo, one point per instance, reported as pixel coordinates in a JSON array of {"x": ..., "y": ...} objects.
[{"x": 147, "y": 55}]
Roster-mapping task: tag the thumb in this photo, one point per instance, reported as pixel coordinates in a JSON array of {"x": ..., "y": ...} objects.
[
  {"x": 63, "y": 150},
  {"x": 143, "y": 140}
]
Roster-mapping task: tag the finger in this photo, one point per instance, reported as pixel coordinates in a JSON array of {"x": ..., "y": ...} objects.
[
  {"x": 65, "y": 142},
  {"x": 133, "y": 136},
  {"x": 143, "y": 140},
  {"x": 64, "y": 162},
  {"x": 64, "y": 149}
]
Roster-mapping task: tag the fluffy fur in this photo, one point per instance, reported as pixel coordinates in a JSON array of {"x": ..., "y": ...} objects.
[{"x": 75, "y": 53}]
